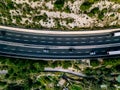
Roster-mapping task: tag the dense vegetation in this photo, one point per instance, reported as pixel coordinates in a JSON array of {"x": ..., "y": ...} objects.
[
  {"x": 27, "y": 74},
  {"x": 59, "y": 4},
  {"x": 86, "y": 5},
  {"x": 23, "y": 74}
]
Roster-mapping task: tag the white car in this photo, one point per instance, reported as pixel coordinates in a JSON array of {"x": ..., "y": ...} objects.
[
  {"x": 46, "y": 50},
  {"x": 92, "y": 53}
]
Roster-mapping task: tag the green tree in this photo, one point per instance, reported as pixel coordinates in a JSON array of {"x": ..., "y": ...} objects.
[
  {"x": 85, "y": 6},
  {"x": 59, "y": 4}
]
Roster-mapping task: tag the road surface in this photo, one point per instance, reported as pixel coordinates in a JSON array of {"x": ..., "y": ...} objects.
[{"x": 16, "y": 42}]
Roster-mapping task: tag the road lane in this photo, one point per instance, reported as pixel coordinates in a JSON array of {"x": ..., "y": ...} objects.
[
  {"x": 56, "y": 46},
  {"x": 58, "y": 40},
  {"x": 39, "y": 52}
]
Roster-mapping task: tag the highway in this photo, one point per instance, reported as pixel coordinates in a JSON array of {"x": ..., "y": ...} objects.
[{"x": 30, "y": 45}]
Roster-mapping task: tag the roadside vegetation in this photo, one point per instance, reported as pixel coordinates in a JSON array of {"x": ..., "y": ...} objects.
[
  {"x": 29, "y": 74},
  {"x": 60, "y": 14}
]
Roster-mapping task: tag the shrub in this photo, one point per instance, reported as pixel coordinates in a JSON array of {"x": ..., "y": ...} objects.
[
  {"x": 85, "y": 6},
  {"x": 59, "y": 4}
]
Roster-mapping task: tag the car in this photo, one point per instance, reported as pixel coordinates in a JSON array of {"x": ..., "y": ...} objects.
[
  {"x": 93, "y": 53},
  {"x": 3, "y": 33},
  {"x": 71, "y": 49},
  {"x": 46, "y": 50}
]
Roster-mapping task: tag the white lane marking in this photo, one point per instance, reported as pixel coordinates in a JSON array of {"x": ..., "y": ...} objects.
[
  {"x": 70, "y": 52},
  {"x": 35, "y": 37},
  {"x": 50, "y": 42},
  {"x": 17, "y": 39},
  {"x": 43, "y": 37},
  {"x": 38, "y": 51},
  {"x": 21, "y": 50},
  {"x": 117, "y": 39},
  {"x": 17, "y": 35},
  {"x": 26, "y": 36},
  {"x": 68, "y": 42},
  {"x": 83, "y": 42},
  {"x": 43, "y": 41},
  {"x": 5, "y": 48},
  {"x": 67, "y": 38},
  {"x": 91, "y": 41},
  {"x": 58, "y": 42},
  {"x": 75, "y": 42},
  {"x": 13, "y": 49},
  {"x": 75, "y": 38},
  {"x": 34, "y": 40},
  {"x": 59, "y": 38},
  {"x": 10, "y": 34},
  {"x": 92, "y": 37},
  {"x": 86, "y": 52},
  {"x": 29, "y": 51},
  {"x": 83, "y": 38},
  {"x": 51, "y": 38},
  {"x": 8, "y": 37},
  {"x": 108, "y": 40},
  {"x": 99, "y": 37},
  {"x": 54, "y": 52},
  {"x": 25, "y": 40},
  {"x": 100, "y": 41}
]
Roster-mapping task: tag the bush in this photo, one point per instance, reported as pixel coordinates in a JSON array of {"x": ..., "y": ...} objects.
[
  {"x": 59, "y": 4},
  {"x": 67, "y": 9},
  {"x": 85, "y": 6},
  {"x": 76, "y": 87},
  {"x": 117, "y": 1},
  {"x": 95, "y": 10},
  {"x": 93, "y": 1}
]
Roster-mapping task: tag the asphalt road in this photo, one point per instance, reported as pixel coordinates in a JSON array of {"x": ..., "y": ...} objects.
[{"x": 44, "y": 46}]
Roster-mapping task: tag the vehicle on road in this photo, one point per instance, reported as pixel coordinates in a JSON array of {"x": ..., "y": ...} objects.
[
  {"x": 115, "y": 34},
  {"x": 114, "y": 52}
]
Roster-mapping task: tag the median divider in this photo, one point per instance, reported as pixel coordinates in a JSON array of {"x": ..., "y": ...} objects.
[{"x": 50, "y": 32}]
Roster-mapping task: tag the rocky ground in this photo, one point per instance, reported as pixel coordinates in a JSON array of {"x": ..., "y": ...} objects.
[{"x": 60, "y": 14}]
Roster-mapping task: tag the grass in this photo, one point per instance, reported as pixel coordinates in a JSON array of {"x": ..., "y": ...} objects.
[
  {"x": 112, "y": 62},
  {"x": 76, "y": 87},
  {"x": 106, "y": 62}
]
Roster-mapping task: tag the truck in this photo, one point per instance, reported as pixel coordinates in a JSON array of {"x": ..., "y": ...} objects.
[
  {"x": 115, "y": 34},
  {"x": 114, "y": 52}
]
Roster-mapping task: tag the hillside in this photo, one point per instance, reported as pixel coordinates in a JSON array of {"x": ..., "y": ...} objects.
[{"x": 60, "y": 14}]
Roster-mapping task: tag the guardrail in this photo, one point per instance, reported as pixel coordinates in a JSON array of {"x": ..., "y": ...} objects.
[{"x": 59, "y": 32}]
